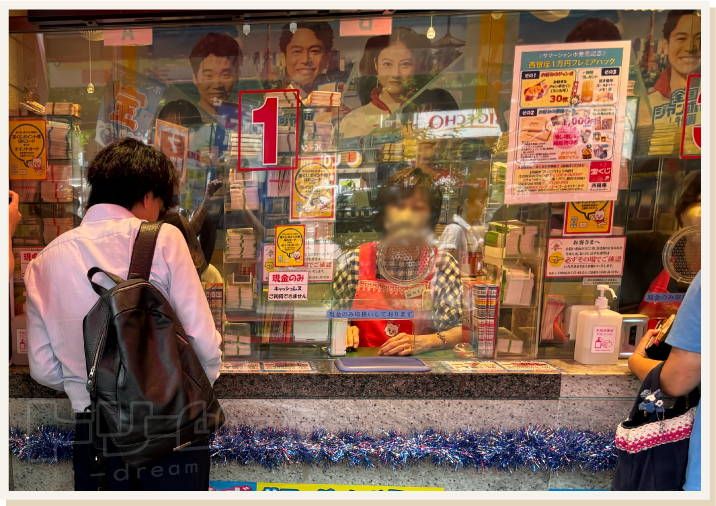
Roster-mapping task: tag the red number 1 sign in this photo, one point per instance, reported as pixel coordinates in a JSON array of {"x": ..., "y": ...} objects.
[{"x": 268, "y": 132}]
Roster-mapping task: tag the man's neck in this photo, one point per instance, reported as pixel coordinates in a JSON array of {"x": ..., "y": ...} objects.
[{"x": 207, "y": 107}]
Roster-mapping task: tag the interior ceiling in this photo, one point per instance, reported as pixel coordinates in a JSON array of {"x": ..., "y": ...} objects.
[{"x": 61, "y": 20}]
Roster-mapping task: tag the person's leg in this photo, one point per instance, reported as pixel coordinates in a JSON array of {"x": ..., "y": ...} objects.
[
  {"x": 187, "y": 469},
  {"x": 82, "y": 457}
]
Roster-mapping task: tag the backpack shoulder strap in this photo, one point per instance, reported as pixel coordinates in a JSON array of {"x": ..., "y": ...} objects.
[{"x": 143, "y": 252}]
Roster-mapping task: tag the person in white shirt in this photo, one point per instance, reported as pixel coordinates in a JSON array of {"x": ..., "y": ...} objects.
[{"x": 129, "y": 183}]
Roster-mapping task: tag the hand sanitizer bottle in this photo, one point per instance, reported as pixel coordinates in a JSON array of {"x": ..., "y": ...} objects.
[{"x": 598, "y": 332}]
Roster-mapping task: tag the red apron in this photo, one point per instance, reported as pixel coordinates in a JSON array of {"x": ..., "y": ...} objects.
[
  {"x": 378, "y": 294},
  {"x": 658, "y": 310}
]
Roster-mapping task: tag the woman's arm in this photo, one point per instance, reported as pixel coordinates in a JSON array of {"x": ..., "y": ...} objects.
[
  {"x": 639, "y": 363},
  {"x": 681, "y": 372}
]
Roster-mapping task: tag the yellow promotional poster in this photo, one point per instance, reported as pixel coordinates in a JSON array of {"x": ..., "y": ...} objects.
[
  {"x": 588, "y": 218},
  {"x": 313, "y": 192},
  {"x": 549, "y": 88},
  {"x": 28, "y": 149},
  {"x": 290, "y": 245},
  {"x": 691, "y": 129},
  {"x": 252, "y": 486},
  {"x": 332, "y": 488}
]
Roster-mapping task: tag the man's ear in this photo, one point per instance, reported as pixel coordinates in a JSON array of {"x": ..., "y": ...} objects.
[
  {"x": 193, "y": 76},
  {"x": 147, "y": 198},
  {"x": 283, "y": 60}
]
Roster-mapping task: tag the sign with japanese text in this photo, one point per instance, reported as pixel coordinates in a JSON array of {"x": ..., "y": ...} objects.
[
  {"x": 319, "y": 261},
  {"x": 287, "y": 367},
  {"x": 288, "y": 286},
  {"x": 25, "y": 256},
  {"x": 250, "y": 486},
  {"x": 377, "y": 314},
  {"x": 575, "y": 258},
  {"x": 567, "y": 122},
  {"x": 313, "y": 189},
  {"x": 28, "y": 149},
  {"x": 130, "y": 102},
  {"x": 290, "y": 245},
  {"x": 268, "y": 130},
  {"x": 588, "y": 218},
  {"x": 691, "y": 128},
  {"x": 457, "y": 366},
  {"x": 128, "y": 37},
  {"x": 527, "y": 367},
  {"x": 173, "y": 141},
  {"x": 464, "y": 123},
  {"x": 369, "y": 26}
]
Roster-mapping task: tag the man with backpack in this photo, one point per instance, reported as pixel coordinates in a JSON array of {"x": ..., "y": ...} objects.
[{"x": 150, "y": 350}]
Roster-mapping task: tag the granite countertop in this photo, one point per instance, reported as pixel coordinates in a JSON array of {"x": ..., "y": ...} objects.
[{"x": 570, "y": 380}]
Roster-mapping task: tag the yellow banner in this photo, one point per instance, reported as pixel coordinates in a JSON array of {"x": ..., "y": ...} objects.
[
  {"x": 290, "y": 245},
  {"x": 28, "y": 149},
  {"x": 313, "y": 189},
  {"x": 588, "y": 218},
  {"x": 332, "y": 488}
]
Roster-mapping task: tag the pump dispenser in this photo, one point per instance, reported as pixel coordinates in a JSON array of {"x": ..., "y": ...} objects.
[{"x": 598, "y": 332}]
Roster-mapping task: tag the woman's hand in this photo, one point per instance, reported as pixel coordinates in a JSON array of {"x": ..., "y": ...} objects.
[
  {"x": 212, "y": 188},
  {"x": 352, "y": 337},
  {"x": 641, "y": 347},
  {"x": 408, "y": 344},
  {"x": 639, "y": 363},
  {"x": 402, "y": 344}
]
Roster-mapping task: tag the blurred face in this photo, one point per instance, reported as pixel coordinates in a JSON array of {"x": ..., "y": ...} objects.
[
  {"x": 215, "y": 79},
  {"x": 684, "y": 45},
  {"x": 412, "y": 211},
  {"x": 305, "y": 57},
  {"x": 395, "y": 66}
]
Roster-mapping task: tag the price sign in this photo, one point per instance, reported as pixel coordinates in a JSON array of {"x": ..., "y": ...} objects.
[{"x": 268, "y": 133}]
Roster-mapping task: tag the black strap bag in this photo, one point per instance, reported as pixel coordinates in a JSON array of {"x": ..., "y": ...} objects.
[
  {"x": 149, "y": 393},
  {"x": 653, "y": 443}
]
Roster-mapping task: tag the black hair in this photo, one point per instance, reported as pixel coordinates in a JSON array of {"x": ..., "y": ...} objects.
[
  {"x": 185, "y": 111},
  {"x": 672, "y": 19},
  {"x": 403, "y": 184},
  {"x": 437, "y": 100},
  {"x": 691, "y": 195},
  {"x": 594, "y": 29},
  {"x": 412, "y": 40},
  {"x": 218, "y": 44},
  {"x": 323, "y": 32},
  {"x": 125, "y": 171}
]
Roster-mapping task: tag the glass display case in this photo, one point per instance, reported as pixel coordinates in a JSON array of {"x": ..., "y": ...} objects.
[{"x": 348, "y": 187}]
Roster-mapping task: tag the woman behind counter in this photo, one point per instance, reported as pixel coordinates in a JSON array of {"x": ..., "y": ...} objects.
[{"x": 408, "y": 198}]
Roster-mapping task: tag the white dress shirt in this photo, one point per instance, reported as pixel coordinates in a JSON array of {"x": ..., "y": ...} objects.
[{"x": 59, "y": 295}]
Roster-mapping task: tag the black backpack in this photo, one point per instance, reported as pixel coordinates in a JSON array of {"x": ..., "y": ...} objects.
[{"x": 149, "y": 393}]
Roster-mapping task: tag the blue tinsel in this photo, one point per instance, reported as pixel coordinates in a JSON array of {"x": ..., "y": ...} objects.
[{"x": 536, "y": 448}]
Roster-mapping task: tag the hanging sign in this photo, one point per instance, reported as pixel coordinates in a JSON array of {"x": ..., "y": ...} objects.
[
  {"x": 691, "y": 130},
  {"x": 128, "y": 37},
  {"x": 268, "y": 131},
  {"x": 363, "y": 27},
  {"x": 290, "y": 245},
  {"x": 588, "y": 218},
  {"x": 28, "y": 149},
  {"x": 575, "y": 258},
  {"x": 128, "y": 107},
  {"x": 173, "y": 141},
  {"x": 567, "y": 122},
  {"x": 313, "y": 190}
]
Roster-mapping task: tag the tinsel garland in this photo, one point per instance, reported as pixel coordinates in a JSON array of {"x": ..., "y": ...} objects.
[{"x": 535, "y": 447}]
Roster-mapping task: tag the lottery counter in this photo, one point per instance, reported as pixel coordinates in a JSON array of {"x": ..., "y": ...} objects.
[{"x": 507, "y": 398}]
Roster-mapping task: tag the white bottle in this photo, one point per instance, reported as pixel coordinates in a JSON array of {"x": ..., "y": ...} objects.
[{"x": 598, "y": 332}]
